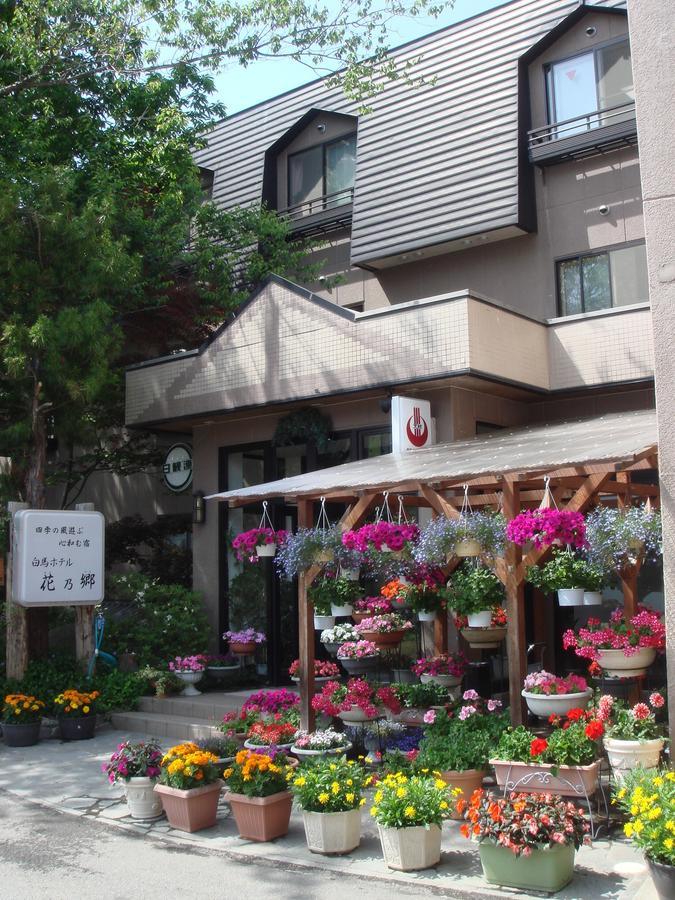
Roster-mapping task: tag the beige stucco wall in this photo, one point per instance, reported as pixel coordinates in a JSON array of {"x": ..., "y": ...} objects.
[{"x": 652, "y": 24}]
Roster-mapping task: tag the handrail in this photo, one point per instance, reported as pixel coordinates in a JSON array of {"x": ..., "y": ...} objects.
[
  {"x": 568, "y": 127},
  {"x": 319, "y": 204}
]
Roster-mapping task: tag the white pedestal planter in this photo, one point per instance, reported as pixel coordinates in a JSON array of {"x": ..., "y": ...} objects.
[
  {"x": 545, "y": 705},
  {"x": 624, "y": 756},
  {"x": 332, "y": 833},
  {"x": 615, "y": 662},
  {"x": 190, "y": 679},
  {"x": 571, "y": 597},
  {"x": 142, "y": 800},
  {"x": 410, "y": 849},
  {"x": 321, "y": 622},
  {"x": 592, "y": 598},
  {"x": 345, "y": 610},
  {"x": 480, "y": 619},
  {"x": 310, "y": 755}
]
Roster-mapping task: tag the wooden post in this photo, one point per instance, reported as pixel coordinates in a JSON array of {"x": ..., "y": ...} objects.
[
  {"x": 85, "y": 644},
  {"x": 16, "y": 642},
  {"x": 515, "y": 608},
  {"x": 306, "y": 631}
]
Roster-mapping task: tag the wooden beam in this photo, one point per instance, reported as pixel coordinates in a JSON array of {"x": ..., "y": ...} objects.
[
  {"x": 515, "y": 609},
  {"x": 442, "y": 506},
  {"x": 306, "y": 631},
  {"x": 357, "y": 512}
]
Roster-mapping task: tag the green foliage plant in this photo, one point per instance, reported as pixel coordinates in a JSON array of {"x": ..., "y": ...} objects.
[
  {"x": 330, "y": 786},
  {"x": 563, "y": 571},
  {"x": 472, "y": 589}
]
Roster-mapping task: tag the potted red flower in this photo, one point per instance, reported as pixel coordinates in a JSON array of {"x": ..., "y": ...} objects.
[
  {"x": 623, "y": 648},
  {"x": 357, "y": 701},
  {"x": 447, "y": 669}
]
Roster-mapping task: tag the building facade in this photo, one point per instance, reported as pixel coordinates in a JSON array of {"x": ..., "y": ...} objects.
[{"x": 486, "y": 227}]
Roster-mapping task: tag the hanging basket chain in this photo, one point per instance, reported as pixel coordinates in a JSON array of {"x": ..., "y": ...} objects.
[
  {"x": 265, "y": 517},
  {"x": 402, "y": 515},
  {"x": 323, "y": 522}
]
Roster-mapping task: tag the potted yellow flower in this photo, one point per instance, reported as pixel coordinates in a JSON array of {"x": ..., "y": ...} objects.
[
  {"x": 409, "y": 812},
  {"x": 258, "y": 797},
  {"x": 189, "y": 787},
  {"x": 76, "y": 712},
  {"x": 21, "y": 720},
  {"x": 330, "y": 796}
]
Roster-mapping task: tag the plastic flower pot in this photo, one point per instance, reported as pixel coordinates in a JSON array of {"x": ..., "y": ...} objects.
[
  {"x": 142, "y": 800},
  {"x": 356, "y": 715},
  {"x": 571, "y": 597},
  {"x": 615, "y": 662},
  {"x": 383, "y": 638},
  {"x": 262, "y": 748},
  {"x": 663, "y": 877},
  {"x": 624, "y": 756},
  {"x": 191, "y": 810},
  {"x": 81, "y": 728},
  {"x": 332, "y": 648},
  {"x": 540, "y": 778},
  {"x": 322, "y": 622},
  {"x": 261, "y": 818},
  {"x": 480, "y": 619},
  {"x": 345, "y": 610},
  {"x": 445, "y": 680},
  {"x": 306, "y": 755},
  {"x": 468, "y": 547},
  {"x": 467, "y": 781},
  {"x": 545, "y": 705},
  {"x": 358, "y": 665},
  {"x": 266, "y": 549},
  {"x": 412, "y": 848},
  {"x": 592, "y": 598},
  {"x": 546, "y": 870},
  {"x": 21, "y": 734},
  {"x": 242, "y": 648},
  {"x": 190, "y": 679},
  {"x": 332, "y": 833},
  {"x": 483, "y": 638}
]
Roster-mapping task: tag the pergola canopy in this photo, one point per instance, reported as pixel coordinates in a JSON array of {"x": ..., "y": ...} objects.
[{"x": 620, "y": 438}]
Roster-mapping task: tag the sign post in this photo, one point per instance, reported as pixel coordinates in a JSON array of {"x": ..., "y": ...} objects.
[{"x": 16, "y": 639}]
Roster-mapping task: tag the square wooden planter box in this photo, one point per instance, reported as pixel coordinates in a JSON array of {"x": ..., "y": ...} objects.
[{"x": 191, "y": 810}]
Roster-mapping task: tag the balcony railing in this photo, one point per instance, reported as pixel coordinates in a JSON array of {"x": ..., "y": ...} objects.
[
  {"x": 330, "y": 212},
  {"x": 587, "y": 135}
]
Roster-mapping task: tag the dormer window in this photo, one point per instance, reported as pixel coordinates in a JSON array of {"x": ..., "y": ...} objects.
[
  {"x": 322, "y": 176},
  {"x": 591, "y": 89}
]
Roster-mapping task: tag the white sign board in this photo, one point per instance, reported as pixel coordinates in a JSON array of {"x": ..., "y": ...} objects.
[
  {"x": 177, "y": 468},
  {"x": 411, "y": 424},
  {"x": 57, "y": 558}
]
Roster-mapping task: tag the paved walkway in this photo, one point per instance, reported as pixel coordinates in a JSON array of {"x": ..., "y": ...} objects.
[{"x": 68, "y": 778}]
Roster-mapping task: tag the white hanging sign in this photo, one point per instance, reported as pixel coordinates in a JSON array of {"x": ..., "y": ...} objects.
[
  {"x": 177, "y": 467},
  {"x": 411, "y": 424},
  {"x": 57, "y": 558}
]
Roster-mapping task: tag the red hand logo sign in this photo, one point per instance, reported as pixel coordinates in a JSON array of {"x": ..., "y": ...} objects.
[{"x": 417, "y": 429}]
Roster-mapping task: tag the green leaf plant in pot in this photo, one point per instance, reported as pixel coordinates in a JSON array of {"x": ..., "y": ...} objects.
[
  {"x": 474, "y": 591},
  {"x": 567, "y": 573}
]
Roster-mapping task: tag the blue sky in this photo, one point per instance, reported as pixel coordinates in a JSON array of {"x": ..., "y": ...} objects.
[{"x": 239, "y": 88}]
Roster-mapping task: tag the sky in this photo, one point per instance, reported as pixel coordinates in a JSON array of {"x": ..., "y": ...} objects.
[{"x": 239, "y": 88}]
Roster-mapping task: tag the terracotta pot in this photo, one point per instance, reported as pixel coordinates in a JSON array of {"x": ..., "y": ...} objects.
[
  {"x": 538, "y": 778},
  {"x": 468, "y": 781},
  {"x": 244, "y": 649},
  {"x": 21, "y": 734},
  {"x": 78, "y": 729},
  {"x": 359, "y": 617},
  {"x": 383, "y": 638},
  {"x": 546, "y": 870},
  {"x": 412, "y": 848},
  {"x": 615, "y": 662},
  {"x": 332, "y": 833},
  {"x": 624, "y": 756},
  {"x": 191, "y": 810},
  {"x": 261, "y": 818},
  {"x": 545, "y": 705}
]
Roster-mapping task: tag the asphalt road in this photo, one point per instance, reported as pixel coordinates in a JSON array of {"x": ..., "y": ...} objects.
[{"x": 45, "y": 855}]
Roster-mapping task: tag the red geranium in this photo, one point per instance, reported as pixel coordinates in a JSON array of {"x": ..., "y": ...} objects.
[
  {"x": 595, "y": 729},
  {"x": 538, "y": 746}
]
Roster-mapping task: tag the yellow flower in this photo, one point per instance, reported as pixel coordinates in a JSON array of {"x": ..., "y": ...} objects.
[
  {"x": 658, "y": 781},
  {"x": 670, "y": 825},
  {"x": 638, "y": 827},
  {"x": 373, "y": 810},
  {"x": 85, "y": 709},
  {"x": 227, "y": 772},
  {"x": 335, "y": 787},
  {"x": 300, "y": 781},
  {"x": 323, "y": 798},
  {"x": 401, "y": 792},
  {"x": 654, "y": 813},
  {"x": 628, "y": 829},
  {"x": 332, "y": 767},
  {"x": 669, "y": 843},
  {"x": 378, "y": 796},
  {"x": 670, "y": 776},
  {"x": 349, "y": 797},
  {"x": 17, "y": 712},
  {"x": 443, "y": 804},
  {"x": 350, "y": 782},
  {"x": 409, "y": 812},
  {"x": 440, "y": 784},
  {"x": 362, "y": 801},
  {"x": 622, "y": 793}
]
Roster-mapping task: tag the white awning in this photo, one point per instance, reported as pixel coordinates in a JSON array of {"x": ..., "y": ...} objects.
[{"x": 545, "y": 448}]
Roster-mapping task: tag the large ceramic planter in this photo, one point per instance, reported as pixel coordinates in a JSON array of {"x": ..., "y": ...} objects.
[
  {"x": 357, "y": 666},
  {"x": 245, "y": 648},
  {"x": 21, "y": 734},
  {"x": 615, "y": 662},
  {"x": 445, "y": 680},
  {"x": 467, "y": 548},
  {"x": 345, "y": 610},
  {"x": 403, "y": 676},
  {"x": 356, "y": 716},
  {"x": 383, "y": 638},
  {"x": 545, "y": 705},
  {"x": 190, "y": 679},
  {"x": 540, "y": 778},
  {"x": 410, "y": 849},
  {"x": 480, "y": 619},
  {"x": 332, "y": 833},
  {"x": 261, "y": 818},
  {"x": 82, "y": 728},
  {"x": 143, "y": 801},
  {"x": 322, "y": 622},
  {"x": 191, "y": 810},
  {"x": 317, "y": 755},
  {"x": 266, "y": 549},
  {"x": 483, "y": 638},
  {"x": 592, "y": 598},
  {"x": 544, "y": 871},
  {"x": 468, "y": 781},
  {"x": 663, "y": 877},
  {"x": 571, "y": 597},
  {"x": 624, "y": 756}
]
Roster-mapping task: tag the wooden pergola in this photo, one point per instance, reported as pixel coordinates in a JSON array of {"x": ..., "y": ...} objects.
[{"x": 616, "y": 449}]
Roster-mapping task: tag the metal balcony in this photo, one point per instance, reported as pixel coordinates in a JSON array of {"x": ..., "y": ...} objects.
[
  {"x": 591, "y": 134},
  {"x": 321, "y": 215}
]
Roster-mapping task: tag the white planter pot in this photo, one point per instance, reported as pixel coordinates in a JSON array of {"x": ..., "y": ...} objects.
[
  {"x": 624, "y": 756},
  {"x": 350, "y": 574},
  {"x": 468, "y": 548},
  {"x": 190, "y": 679},
  {"x": 142, "y": 800},
  {"x": 317, "y": 754},
  {"x": 410, "y": 849},
  {"x": 571, "y": 597},
  {"x": 480, "y": 619},
  {"x": 445, "y": 680},
  {"x": 426, "y": 616},
  {"x": 332, "y": 833},
  {"x": 615, "y": 662},
  {"x": 545, "y": 705},
  {"x": 266, "y": 549},
  {"x": 321, "y": 622},
  {"x": 355, "y": 716},
  {"x": 345, "y": 610},
  {"x": 592, "y": 598}
]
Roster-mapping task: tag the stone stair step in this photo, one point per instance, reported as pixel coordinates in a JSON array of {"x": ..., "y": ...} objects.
[{"x": 161, "y": 725}]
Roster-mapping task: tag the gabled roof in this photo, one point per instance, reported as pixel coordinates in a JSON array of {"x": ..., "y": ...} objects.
[{"x": 583, "y": 9}]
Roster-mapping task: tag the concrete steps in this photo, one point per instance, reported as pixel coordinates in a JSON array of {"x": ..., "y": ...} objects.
[{"x": 161, "y": 725}]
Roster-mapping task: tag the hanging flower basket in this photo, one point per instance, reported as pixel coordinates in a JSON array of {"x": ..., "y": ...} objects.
[
  {"x": 467, "y": 548},
  {"x": 483, "y": 638},
  {"x": 546, "y": 527}
]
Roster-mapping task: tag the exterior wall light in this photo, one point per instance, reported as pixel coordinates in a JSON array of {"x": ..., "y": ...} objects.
[
  {"x": 198, "y": 508},
  {"x": 603, "y": 210},
  {"x": 591, "y": 31}
]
